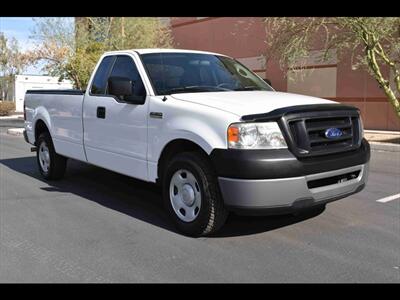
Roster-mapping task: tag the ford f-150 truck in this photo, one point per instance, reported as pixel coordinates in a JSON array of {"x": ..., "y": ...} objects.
[{"x": 214, "y": 135}]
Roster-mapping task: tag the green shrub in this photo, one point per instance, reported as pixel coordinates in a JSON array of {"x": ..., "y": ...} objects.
[{"x": 6, "y": 107}]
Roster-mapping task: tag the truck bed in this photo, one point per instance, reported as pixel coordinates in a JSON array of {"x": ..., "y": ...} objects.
[
  {"x": 57, "y": 92},
  {"x": 63, "y": 111}
]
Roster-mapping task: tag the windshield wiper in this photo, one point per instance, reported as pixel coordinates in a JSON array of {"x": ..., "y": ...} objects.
[
  {"x": 248, "y": 88},
  {"x": 194, "y": 88}
]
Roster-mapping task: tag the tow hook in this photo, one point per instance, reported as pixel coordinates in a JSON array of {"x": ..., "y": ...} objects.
[{"x": 33, "y": 149}]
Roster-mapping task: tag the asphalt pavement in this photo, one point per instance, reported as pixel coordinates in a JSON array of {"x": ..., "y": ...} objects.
[{"x": 99, "y": 226}]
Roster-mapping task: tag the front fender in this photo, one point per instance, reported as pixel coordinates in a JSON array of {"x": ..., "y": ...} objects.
[
  {"x": 182, "y": 120},
  {"x": 206, "y": 135}
]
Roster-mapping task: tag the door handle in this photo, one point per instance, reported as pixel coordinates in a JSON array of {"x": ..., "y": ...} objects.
[{"x": 101, "y": 112}]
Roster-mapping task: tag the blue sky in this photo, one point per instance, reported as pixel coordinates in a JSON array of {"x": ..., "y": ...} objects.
[{"x": 20, "y": 28}]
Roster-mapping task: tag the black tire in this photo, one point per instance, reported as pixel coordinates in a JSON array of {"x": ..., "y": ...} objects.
[
  {"x": 58, "y": 163},
  {"x": 212, "y": 214}
]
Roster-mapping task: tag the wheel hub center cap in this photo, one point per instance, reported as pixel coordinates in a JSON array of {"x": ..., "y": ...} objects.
[{"x": 188, "y": 195}]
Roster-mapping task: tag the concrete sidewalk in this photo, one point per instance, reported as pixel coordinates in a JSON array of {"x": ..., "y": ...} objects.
[
  {"x": 392, "y": 137},
  {"x": 383, "y": 140}
]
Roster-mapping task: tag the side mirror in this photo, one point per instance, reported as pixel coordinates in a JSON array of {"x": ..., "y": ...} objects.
[
  {"x": 120, "y": 86},
  {"x": 268, "y": 81},
  {"x": 123, "y": 89}
]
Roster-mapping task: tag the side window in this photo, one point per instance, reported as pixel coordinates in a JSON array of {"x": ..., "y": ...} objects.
[
  {"x": 99, "y": 83},
  {"x": 125, "y": 67}
]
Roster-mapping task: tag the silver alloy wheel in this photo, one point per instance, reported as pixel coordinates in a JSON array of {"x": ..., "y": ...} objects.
[
  {"x": 44, "y": 157},
  {"x": 185, "y": 195}
]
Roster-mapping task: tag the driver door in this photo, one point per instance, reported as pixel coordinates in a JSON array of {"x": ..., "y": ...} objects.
[{"x": 115, "y": 131}]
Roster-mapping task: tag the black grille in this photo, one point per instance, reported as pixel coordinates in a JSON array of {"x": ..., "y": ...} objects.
[
  {"x": 304, "y": 127},
  {"x": 306, "y": 132}
]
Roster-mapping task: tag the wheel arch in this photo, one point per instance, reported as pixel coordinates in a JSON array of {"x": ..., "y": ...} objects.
[
  {"x": 40, "y": 127},
  {"x": 173, "y": 148},
  {"x": 41, "y": 122}
]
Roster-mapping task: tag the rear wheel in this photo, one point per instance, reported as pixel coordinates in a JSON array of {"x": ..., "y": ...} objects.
[
  {"x": 51, "y": 165},
  {"x": 191, "y": 195}
]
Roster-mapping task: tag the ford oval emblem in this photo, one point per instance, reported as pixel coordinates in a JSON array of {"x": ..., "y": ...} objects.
[{"x": 332, "y": 133}]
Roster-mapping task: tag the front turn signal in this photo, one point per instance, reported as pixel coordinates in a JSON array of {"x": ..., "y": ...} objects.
[{"x": 233, "y": 134}]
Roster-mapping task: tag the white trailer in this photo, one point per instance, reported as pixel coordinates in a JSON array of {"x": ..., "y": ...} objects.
[{"x": 35, "y": 82}]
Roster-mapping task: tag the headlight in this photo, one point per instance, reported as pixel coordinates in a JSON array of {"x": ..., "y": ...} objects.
[
  {"x": 361, "y": 128},
  {"x": 255, "y": 136}
]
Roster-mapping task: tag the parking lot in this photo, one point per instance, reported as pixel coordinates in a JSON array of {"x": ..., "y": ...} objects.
[{"x": 99, "y": 226}]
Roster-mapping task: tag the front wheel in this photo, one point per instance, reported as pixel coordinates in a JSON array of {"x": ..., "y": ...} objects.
[
  {"x": 191, "y": 195},
  {"x": 51, "y": 165}
]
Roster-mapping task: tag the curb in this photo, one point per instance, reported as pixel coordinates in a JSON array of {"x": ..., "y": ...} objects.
[
  {"x": 386, "y": 132},
  {"x": 15, "y": 117},
  {"x": 385, "y": 147},
  {"x": 15, "y": 131}
]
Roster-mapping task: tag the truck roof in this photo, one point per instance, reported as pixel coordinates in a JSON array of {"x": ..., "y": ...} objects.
[{"x": 161, "y": 50}]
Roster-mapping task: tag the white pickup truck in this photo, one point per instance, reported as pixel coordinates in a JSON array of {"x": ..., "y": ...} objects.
[{"x": 213, "y": 134}]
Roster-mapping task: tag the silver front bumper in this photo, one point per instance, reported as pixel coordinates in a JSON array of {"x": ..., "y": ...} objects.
[{"x": 287, "y": 192}]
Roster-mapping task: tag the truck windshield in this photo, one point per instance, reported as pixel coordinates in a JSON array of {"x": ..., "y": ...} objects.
[{"x": 172, "y": 73}]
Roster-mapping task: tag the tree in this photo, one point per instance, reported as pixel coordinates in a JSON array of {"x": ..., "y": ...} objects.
[
  {"x": 374, "y": 43},
  {"x": 70, "y": 49},
  {"x": 12, "y": 62}
]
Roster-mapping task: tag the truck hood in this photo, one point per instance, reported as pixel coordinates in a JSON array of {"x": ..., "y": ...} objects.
[{"x": 249, "y": 102}]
